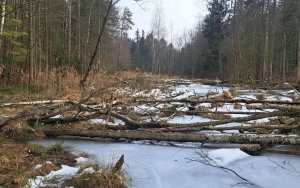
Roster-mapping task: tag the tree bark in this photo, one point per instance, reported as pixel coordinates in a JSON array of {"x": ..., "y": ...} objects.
[
  {"x": 266, "y": 44},
  {"x": 2, "y": 21},
  {"x": 31, "y": 42},
  {"x": 260, "y": 129},
  {"x": 216, "y": 101},
  {"x": 69, "y": 31},
  {"x": 212, "y": 138},
  {"x": 298, "y": 69},
  {"x": 79, "y": 30},
  {"x": 87, "y": 73},
  {"x": 33, "y": 103}
]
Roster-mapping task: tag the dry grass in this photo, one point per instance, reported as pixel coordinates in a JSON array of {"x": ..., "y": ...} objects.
[
  {"x": 17, "y": 162},
  {"x": 98, "y": 179}
]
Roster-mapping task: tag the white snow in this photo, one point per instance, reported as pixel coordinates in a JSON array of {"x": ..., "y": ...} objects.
[
  {"x": 89, "y": 170},
  {"x": 186, "y": 94},
  {"x": 66, "y": 172},
  {"x": 248, "y": 97},
  {"x": 198, "y": 89},
  {"x": 63, "y": 173},
  {"x": 278, "y": 98},
  {"x": 186, "y": 119},
  {"x": 98, "y": 121},
  {"x": 38, "y": 166},
  {"x": 225, "y": 156},
  {"x": 57, "y": 116},
  {"x": 145, "y": 109},
  {"x": 81, "y": 160},
  {"x": 154, "y": 93}
]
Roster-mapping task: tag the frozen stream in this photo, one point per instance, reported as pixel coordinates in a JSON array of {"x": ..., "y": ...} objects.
[
  {"x": 158, "y": 166},
  {"x": 165, "y": 166}
]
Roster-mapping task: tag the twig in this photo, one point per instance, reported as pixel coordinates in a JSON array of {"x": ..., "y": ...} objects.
[
  {"x": 279, "y": 164},
  {"x": 207, "y": 161}
]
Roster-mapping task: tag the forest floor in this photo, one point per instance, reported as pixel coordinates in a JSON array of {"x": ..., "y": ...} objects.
[{"x": 21, "y": 162}]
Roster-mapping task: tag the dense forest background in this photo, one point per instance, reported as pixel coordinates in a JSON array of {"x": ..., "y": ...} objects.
[{"x": 239, "y": 41}]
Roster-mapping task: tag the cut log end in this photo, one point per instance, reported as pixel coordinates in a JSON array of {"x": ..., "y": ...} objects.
[{"x": 251, "y": 149}]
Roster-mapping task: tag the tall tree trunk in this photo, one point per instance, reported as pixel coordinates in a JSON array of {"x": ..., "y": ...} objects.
[
  {"x": 79, "y": 30},
  {"x": 2, "y": 21},
  {"x": 47, "y": 39},
  {"x": 272, "y": 42},
  {"x": 284, "y": 53},
  {"x": 234, "y": 63},
  {"x": 39, "y": 40},
  {"x": 31, "y": 42},
  {"x": 298, "y": 73},
  {"x": 88, "y": 33},
  {"x": 220, "y": 63},
  {"x": 154, "y": 56},
  {"x": 284, "y": 33},
  {"x": 87, "y": 73},
  {"x": 266, "y": 44},
  {"x": 69, "y": 31}
]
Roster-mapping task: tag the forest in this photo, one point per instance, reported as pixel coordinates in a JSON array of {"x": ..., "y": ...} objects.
[
  {"x": 220, "y": 100},
  {"x": 252, "y": 41}
]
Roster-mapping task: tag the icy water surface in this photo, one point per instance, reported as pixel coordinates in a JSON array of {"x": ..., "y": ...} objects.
[{"x": 159, "y": 166}]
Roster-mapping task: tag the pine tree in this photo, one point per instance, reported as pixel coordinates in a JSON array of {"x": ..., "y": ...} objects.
[{"x": 213, "y": 30}]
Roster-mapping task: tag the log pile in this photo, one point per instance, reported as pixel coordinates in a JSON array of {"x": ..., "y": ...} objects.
[{"x": 146, "y": 125}]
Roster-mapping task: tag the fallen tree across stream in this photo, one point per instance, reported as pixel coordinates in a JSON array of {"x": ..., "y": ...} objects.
[
  {"x": 198, "y": 101},
  {"x": 134, "y": 125},
  {"x": 196, "y": 137}
]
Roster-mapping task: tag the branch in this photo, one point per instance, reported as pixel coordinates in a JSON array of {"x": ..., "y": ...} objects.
[
  {"x": 207, "y": 161},
  {"x": 279, "y": 165},
  {"x": 110, "y": 6}
]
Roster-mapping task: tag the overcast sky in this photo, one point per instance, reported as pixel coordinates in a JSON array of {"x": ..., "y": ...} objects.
[{"x": 182, "y": 14}]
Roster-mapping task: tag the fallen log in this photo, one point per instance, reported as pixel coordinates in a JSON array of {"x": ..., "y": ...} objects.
[
  {"x": 211, "y": 128},
  {"x": 193, "y": 101},
  {"x": 281, "y": 107},
  {"x": 25, "y": 113},
  {"x": 34, "y": 103},
  {"x": 162, "y": 124},
  {"x": 64, "y": 120},
  {"x": 212, "y": 138},
  {"x": 196, "y": 112}
]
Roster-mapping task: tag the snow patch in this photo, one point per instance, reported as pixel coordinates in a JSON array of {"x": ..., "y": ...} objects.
[
  {"x": 82, "y": 160},
  {"x": 89, "y": 170},
  {"x": 225, "y": 156},
  {"x": 65, "y": 173},
  {"x": 187, "y": 119}
]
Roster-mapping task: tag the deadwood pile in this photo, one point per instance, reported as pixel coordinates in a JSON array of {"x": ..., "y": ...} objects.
[{"x": 112, "y": 104}]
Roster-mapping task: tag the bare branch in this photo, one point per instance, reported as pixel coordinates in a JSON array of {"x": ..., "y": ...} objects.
[
  {"x": 280, "y": 165},
  {"x": 204, "y": 159}
]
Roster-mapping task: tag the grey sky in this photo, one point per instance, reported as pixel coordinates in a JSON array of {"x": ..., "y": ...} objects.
[{"x": 183, "y": 14}]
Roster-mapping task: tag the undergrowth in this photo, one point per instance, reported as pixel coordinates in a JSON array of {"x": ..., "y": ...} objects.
[{"x": 18, "y": 162}]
